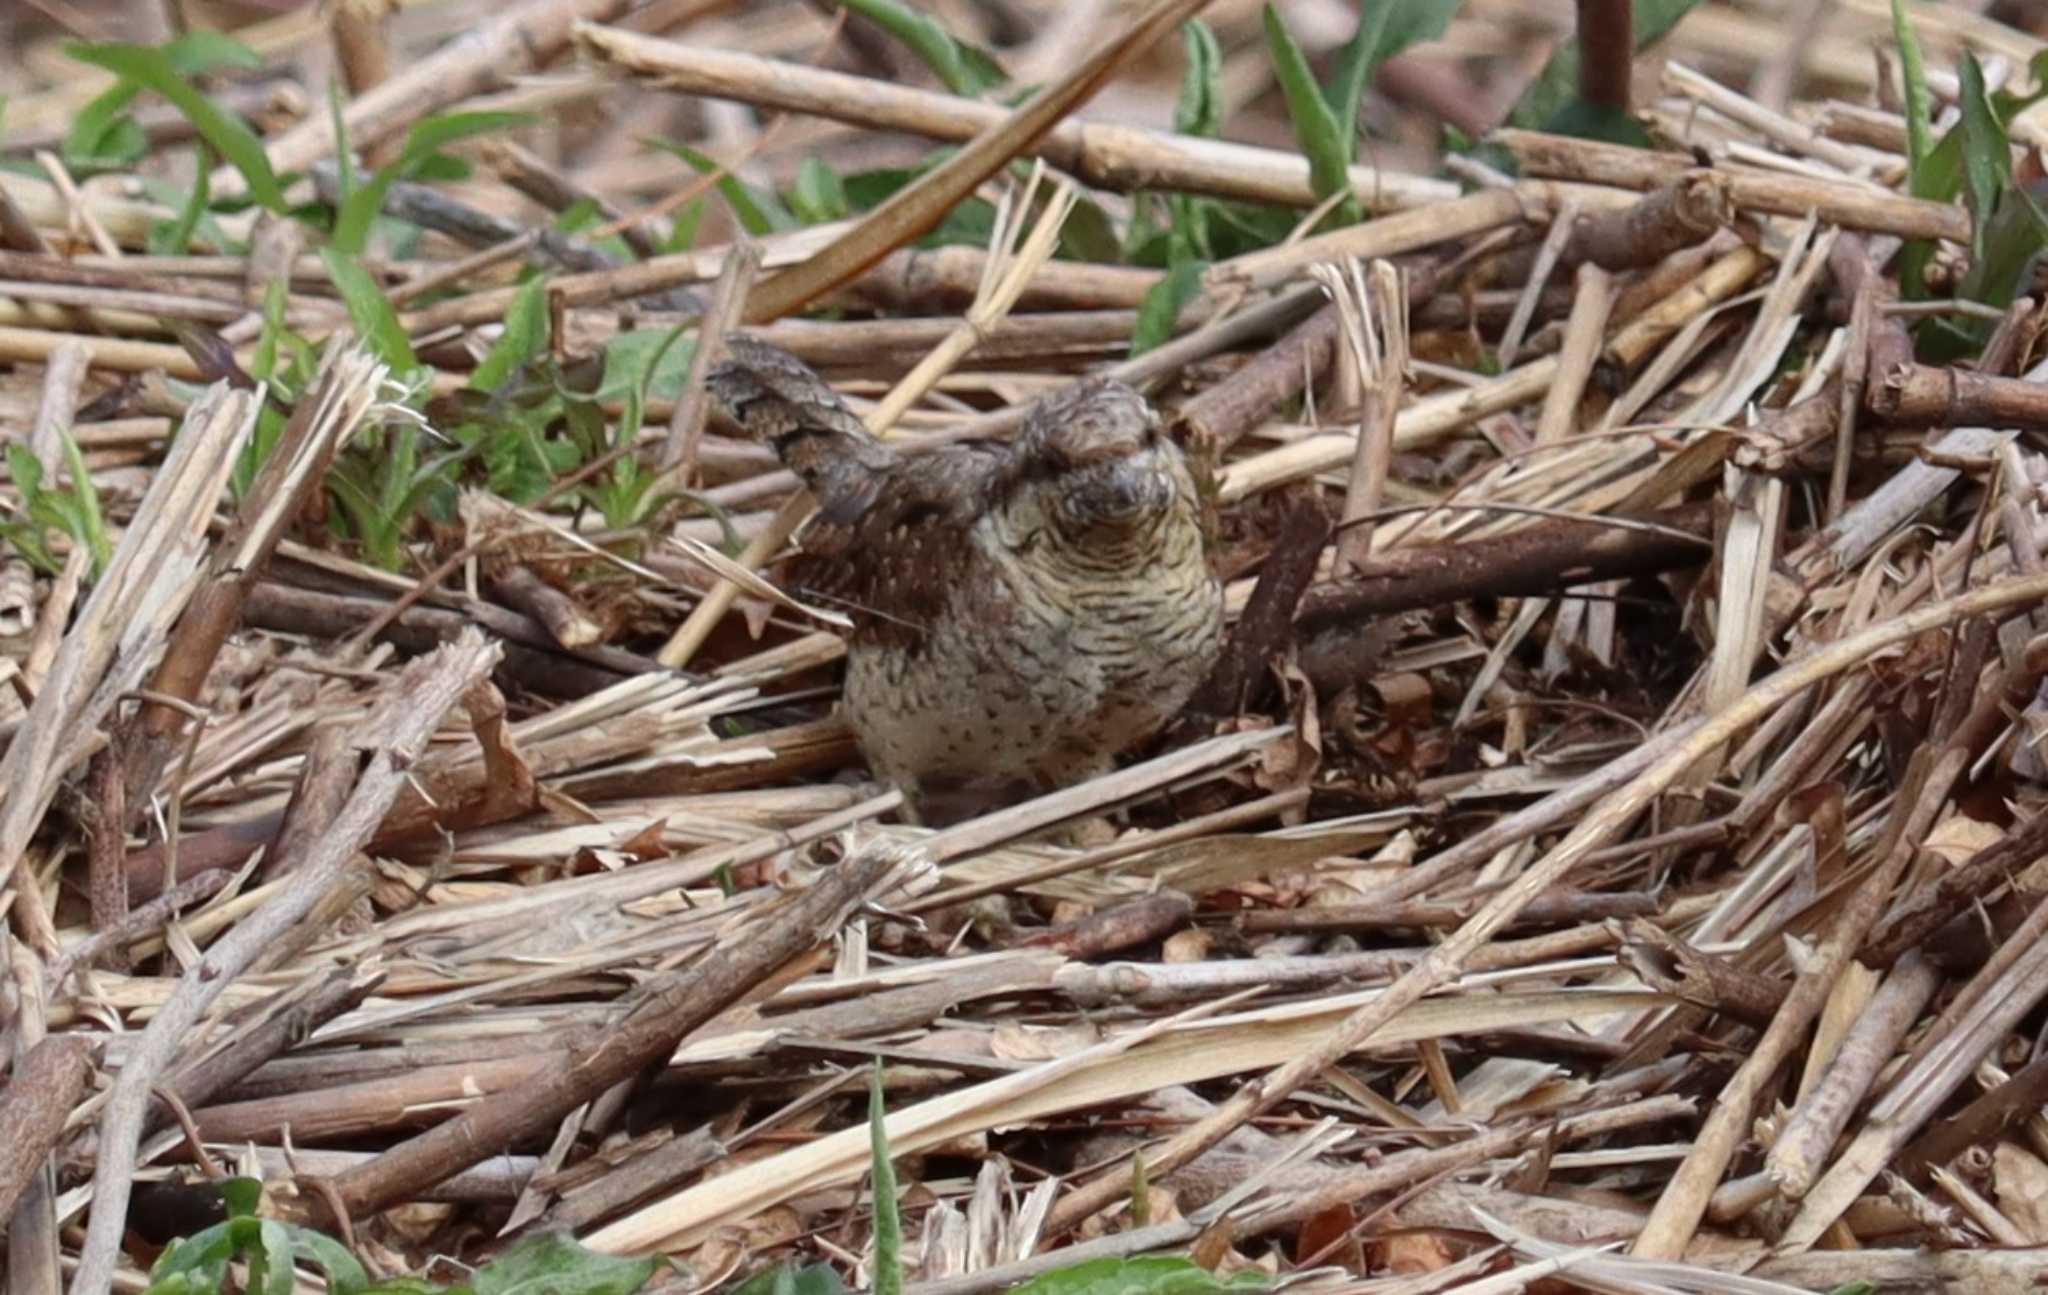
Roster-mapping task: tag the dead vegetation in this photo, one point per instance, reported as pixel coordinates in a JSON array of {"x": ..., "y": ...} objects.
[{"x": 1607, "y": 855}]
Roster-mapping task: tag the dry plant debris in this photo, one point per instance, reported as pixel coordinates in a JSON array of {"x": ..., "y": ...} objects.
[{"x": 1607, "y": 854}]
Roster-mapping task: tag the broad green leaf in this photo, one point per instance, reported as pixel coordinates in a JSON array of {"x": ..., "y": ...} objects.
[
  {"x": 645, "y": 361},
  {"x": 888, "y": 1221},
  {"x": 1987, "y": 152},
  {"x": 964, "y": 68},
  {"x": 1147, "y": 1275},
  {"x": 229, "y": 135},
  {"x": 1199, "y": 110},
  {"x": 2013, "y": 239},
  {"x": 757, "y": 211},
  {"x": 553, "y": 1264},
  {"x": 345, "y": 1275},
  {"x": 376, "y": 323},
  {"x": 422, "y": 143},
  {"x": 202, "y": 1257},
  {"x": 102, "y": 135},
  {"x": 787, "y": 1279},
  {"x": 1324, "y": 140},
  {"x": 818, "y": 194},
  {"x": 1163, "y": 304},
  {"x": 1919, "y": 104},
  {"x": 25, "y": 468},
  {"x": 1600, "y": 121},
  {"x": 1089, "y": 234},
  {"x": 195, "y": 52},
  {"x": 270, "y": 1260},
  {"x": 525, "y": 336}
]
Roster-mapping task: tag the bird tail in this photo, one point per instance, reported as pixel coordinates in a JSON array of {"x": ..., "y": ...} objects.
[{"x": 778, "y": 399}]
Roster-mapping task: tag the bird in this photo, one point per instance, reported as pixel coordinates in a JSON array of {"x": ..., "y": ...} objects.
[{"x": 1023, "y": 611}]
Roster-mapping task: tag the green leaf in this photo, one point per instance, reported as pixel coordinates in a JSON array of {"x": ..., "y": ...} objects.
[
  {"x": 422, "y": 143},
  {"x": 553, "y": 1264},
  {"x": 818, "y": 195},
  {"x": 1987, "y": 152},
  {"x": 1148, "y": 1275},
  {"x": 1199, "y": 110},
  {"x": 26, "y": 469},
  {"x": 1089, "y": 234},
  {"x": 682, "y": 236},
  {"x": 645, "y": 360},
  {"x": 202, "y": 1259},
  {"x": 103, "y": 134},
  {"x": 195, "y": 52},
  {"x": 788, "y": 1279},
  {"x": 176, "y": 238},
  {"x": 270, "y": 1260},
  {"x": 1919, "y": 103},
  {"x": 1599, "y": 121},
  {"x": 229, "y": 135},
  {"x": 888, "y": 1221},
  {"x": 91, "y": 525},
  {"x": 1385, "y": 28},
  {"x": 525, "y": 336},
  {"x": 345, "y": 1275},
  {"x": 1326, "y": 141},
  {"x": 758, "y": 211},
  {"x": 2013, "y": 239},
  {"x": 964, "y": 68},
  {"x": 1163, "y": 304},
  {"x": 376, "y": 322}
]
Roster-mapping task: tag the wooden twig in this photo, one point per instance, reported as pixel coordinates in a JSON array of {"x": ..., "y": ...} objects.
[{"x": 395, "y": 734}]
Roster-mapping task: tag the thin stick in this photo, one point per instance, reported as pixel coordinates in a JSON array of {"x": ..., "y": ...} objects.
[
  {"x": 1002, "y": 283},
  {"x": 1445, "y": 961}
]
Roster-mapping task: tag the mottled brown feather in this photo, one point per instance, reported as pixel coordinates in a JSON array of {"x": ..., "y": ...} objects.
[{"x": 1023, "y": 611}]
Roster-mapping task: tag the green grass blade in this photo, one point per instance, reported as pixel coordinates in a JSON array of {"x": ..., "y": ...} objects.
[
  {"x": 758, "y": 213},
  {"x": 1325, "y": 140},
  {"x": 92, "y": 522},
  {"x": 525, "y": 336},
  {"x": 228, "y": 134},
  {"x": 888, "y": 1223},
  {"x": 1385, "y": 28},
  {"x": 376, "y": 322},
  {"x": 1919, "y": 103},
  {"x": 360, "y": 207},
  {"x": 1163, "y": 304},
  {"x": 965, "y": 69},
  {"x": 1199, "y": 110},
  {"x": 177, "y": 237}
]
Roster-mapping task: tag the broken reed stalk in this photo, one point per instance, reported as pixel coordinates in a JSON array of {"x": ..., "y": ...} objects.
[
  {"x": 1445, "y": 961},
  {"x": 1005, "y": 273},
  {"x": 920, "y": 205},
  {"x": 1374, "y": 314},
  {"x": 665, "y": 1013},
  {"x": 1100, "y": 154},
  {"x": 346, "y": 391},
  {"x": 142, "y": 591},
  {"x": 396, "y": 732}
]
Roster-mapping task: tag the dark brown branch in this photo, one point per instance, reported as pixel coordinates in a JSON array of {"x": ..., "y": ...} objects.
[
  {"x": 33, "y": 1107},
  {"x": 680, "y": 1003},
  {"x": 1926, "y": 395}
]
